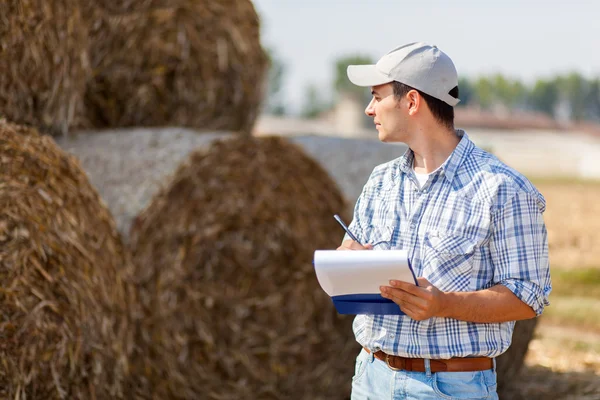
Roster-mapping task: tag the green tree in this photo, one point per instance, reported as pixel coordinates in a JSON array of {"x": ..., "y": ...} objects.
[
  {"x": 466, "y": 92},
  {"x": 341, "y": 83},
  {"x": 573, "y": 88},
  {"x": 313, "y": 102},
  {"x": 507, "y": 91},
  {"x": 275, "y": 96},
  {"x": 484, "y": 92},
  {"x": 592, "y": 101},
  {"x": 544, "y": 96}
]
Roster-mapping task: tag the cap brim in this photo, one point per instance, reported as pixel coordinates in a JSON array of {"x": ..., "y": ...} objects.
[{"x": 366, "y": 75}]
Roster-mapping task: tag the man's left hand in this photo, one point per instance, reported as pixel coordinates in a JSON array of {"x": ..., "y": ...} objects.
[{"x": 418, "y": 302}]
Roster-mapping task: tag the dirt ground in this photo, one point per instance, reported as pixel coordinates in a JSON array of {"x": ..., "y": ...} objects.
[{"x": 562, "y": 363}]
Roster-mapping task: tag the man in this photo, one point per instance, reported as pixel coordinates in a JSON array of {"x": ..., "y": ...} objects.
[{"x": 473, "y": 229}]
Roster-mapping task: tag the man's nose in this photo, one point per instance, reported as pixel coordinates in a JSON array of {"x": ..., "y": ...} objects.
[{"x": 370, "y": 110}]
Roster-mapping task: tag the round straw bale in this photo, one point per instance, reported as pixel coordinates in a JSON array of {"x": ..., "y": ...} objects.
[
  {"x": 195, "y": 63},
  {"x": 223, "y": 257},
  {"x": 61, "y": 297},
  {"x": 43, "y": 63}
]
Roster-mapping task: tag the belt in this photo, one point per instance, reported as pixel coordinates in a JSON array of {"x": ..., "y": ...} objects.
[{"x": 398, "y": 363}]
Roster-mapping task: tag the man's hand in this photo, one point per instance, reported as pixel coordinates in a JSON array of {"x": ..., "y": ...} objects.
[
  {"x": 418, "y": 302},
  {"x": 352, "y": 245},
  {"x": 493, "y": 305}
]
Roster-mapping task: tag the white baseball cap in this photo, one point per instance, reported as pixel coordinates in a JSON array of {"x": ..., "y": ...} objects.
[{"x": 418, "y": 65}]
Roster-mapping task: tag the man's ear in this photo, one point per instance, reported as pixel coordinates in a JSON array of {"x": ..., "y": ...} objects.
[{"x": 414, "y": 101}]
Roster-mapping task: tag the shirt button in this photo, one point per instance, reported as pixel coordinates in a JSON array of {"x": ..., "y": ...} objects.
[{"x": 413, "y": 226}]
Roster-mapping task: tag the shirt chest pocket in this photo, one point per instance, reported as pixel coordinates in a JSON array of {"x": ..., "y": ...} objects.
[
  {"x": 448, "y": 260},
  {"x": 380, "y": 237}
]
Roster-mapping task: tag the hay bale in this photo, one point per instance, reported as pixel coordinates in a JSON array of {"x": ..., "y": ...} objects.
[
  {"x": 195, "y": 63},
  {"x": 60, "y": 292},
  {"x": 509, "y": 364},
  {"x": 231, "y": 304},
  {"x": 43, "y": 63}
]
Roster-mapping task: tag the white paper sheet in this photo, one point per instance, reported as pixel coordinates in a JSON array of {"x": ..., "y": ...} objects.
[{"x": 360, "y": 271}]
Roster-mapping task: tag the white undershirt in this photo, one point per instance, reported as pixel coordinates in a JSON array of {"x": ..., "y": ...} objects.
[{"x": 422, "y": 178}]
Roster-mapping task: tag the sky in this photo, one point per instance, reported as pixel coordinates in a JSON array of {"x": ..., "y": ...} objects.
[{"x": 524, "y": 39}]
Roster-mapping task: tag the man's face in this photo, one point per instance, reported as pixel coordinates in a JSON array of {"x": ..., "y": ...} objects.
[{"x": 387, "y": 116}]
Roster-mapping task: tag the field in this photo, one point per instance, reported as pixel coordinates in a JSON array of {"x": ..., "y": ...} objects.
[{"x": 564, "y": 358}]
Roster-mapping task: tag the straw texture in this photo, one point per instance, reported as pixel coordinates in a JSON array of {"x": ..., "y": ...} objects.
[
  {"x": 178, "y": 62},
  {"x": 230, "y": 305},
  {"x": 44, "y": 64},
  {"x": 63, "y": 322}
]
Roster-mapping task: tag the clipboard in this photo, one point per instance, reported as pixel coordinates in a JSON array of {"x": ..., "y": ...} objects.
[{"x": 352, "y": 278}]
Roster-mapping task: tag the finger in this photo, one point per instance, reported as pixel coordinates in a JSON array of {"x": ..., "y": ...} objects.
[
  {"x": 408, "y": 309},
  {"x": 407, "y": 287},
  {"x": 401, "y": 297},
  {"x": 356, "y": 246},
  {"x": 346, "y": 245},
  {"x": 423, "y": 282},
  {"x": 411, "y": 311},
  {"x": 352, "y": 245}
]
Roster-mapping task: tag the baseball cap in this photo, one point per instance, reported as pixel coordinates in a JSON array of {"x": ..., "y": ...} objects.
[{"x": 418, "y": 65}]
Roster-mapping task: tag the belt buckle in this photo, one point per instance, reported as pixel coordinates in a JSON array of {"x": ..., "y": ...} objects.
[{"x": 387, "y": 361}]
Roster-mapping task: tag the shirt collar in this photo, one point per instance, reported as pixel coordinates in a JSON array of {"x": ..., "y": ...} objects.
[{"x": 451, "y": 165}]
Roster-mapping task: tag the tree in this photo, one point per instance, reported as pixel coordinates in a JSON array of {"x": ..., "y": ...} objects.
[
  {"x": 592, "y": 100},
  {"x": 313, "y": 102},
  {"x": 573, "y": 88},
  {"x": 466, "y": 92},
  {"x": 508, "y": 92},
  {"x": 484, "y": 92},
  {"x": 274, "y": 102},
  {"x": 544, "y": 96},
  {"x": 342, "y": 84}
]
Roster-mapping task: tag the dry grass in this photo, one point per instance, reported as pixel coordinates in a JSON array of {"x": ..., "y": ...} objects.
[
  {"x": 182, "y": 62},
  {"x": 60, "y": 294},
  {"x": 43, "y": 63},
  {"x": 230, "y": 305},
  {"x": 573, "y": 220},
  {"x": 563, "y": 361},
  {"x": 68, "y": 64}
]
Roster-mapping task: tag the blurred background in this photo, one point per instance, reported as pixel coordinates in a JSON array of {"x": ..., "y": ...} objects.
[
  {"x": 530, "y": 93},
  {"x": 144, "y": 130}
]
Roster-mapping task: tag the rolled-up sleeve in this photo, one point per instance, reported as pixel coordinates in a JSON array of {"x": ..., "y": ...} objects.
[{"x": 519, "y": 250}]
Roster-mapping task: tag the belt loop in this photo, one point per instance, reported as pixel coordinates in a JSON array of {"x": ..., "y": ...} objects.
[
  {"x": 371, "y": 356},
  {"x": 427, "y": 367},
  {"x": 494, "y": 361}
]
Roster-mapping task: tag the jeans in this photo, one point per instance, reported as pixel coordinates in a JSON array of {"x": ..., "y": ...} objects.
[{"x": 373, "y": 379}]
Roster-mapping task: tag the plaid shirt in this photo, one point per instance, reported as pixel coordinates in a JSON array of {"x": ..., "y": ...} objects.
[{"x": 476, "y": 223}]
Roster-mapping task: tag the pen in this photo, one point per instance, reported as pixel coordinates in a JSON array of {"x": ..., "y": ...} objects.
[{"x": 339, "y": 220}]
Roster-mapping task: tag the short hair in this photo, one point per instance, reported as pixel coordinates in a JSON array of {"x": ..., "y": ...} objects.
[{"x": 442, "y": 111}]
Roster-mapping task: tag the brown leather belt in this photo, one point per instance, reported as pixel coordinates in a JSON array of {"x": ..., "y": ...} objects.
[{"x": 418, "y": 364}]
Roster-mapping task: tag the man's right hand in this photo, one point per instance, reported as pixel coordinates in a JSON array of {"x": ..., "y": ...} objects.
[{"x": 352, "y": 245}]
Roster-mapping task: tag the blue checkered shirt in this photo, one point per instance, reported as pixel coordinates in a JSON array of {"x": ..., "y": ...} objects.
[{"x": 476, "y": 223}]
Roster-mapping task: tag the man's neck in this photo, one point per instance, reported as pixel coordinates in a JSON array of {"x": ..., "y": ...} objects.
[{"x": 431, "y": 149}]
